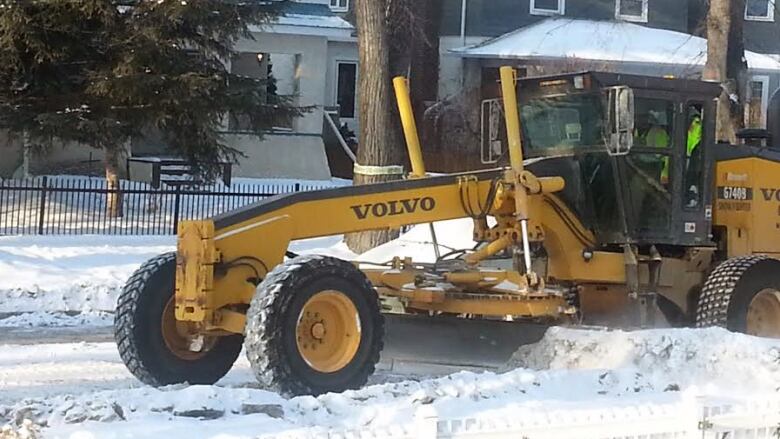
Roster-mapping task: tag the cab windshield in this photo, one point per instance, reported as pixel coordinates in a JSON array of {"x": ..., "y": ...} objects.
[{"x": 557, "y": 125}]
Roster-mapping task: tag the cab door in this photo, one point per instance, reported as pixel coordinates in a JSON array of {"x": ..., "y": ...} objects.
[{"x": 646, "y": 175}]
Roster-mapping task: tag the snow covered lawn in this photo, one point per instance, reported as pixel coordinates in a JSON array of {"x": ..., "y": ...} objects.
[{"x": 40, "y": 275}]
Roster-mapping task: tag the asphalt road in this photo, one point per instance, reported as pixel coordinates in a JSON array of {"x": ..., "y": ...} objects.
[{"x": 411, "y": 342}]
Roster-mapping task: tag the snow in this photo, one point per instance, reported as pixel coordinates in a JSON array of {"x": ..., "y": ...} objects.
[
  {"x": 602, "y": 41},
  {"x": 334, "y": 22},
  {"x": 70, "y": 273},
  {"x": 332, "y": 182},
  {"x": 40, "y": 275},
  {"x": 569, "y": 374},
  {"x": 82, "y": 390},
  {"x": 417, "y": 243},
  {"x": 44, "y": 319}
]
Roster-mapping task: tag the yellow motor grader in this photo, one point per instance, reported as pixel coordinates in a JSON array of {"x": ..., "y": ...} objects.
[{"x": 615, "y": 203}]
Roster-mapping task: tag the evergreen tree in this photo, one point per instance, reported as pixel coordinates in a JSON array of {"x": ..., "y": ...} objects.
[{"x": 101, "y": 72}]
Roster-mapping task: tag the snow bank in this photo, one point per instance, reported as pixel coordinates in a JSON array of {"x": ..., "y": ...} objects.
[
  {"x": 70, "y": 273},
  {"x": 660, "y": 359},
  {"x": 52, "y": 274}
]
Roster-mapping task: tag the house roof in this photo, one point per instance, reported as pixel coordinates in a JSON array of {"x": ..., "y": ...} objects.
[
  {"x": 610, "y": 41},
  {"x": 312, "y": 15},
  {"x": 300, "y": 18}
]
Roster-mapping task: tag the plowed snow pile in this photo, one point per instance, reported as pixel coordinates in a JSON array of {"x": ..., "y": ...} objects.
[
  {"x": 661, "y": 358},
  {"x": 569, "y": 372}
]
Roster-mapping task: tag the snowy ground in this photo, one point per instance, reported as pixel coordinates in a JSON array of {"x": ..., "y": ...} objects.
[{"x": 82, "y": 390}]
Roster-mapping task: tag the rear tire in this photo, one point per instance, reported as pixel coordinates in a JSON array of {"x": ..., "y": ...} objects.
[
  {"x": 143, "y": 309},
  {"x": 280, "y": 331},
  {"x": 743, "y": 294}
]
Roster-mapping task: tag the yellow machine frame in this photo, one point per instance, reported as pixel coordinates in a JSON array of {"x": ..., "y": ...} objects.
[{"x": 219, "y": 262}]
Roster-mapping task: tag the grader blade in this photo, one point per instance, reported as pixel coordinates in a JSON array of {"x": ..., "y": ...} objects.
[{"x": 422, "y": 344}]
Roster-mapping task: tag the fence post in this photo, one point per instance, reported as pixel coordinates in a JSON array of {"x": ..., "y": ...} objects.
[
  {"x": 703, "y": 424},
  {"x": 42, "y": 205},
  {"x": 176, "y": 202}
]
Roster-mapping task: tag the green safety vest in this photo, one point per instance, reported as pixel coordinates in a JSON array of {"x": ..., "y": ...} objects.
[
  {"x": 694, "y": 136},
  {"x": 658, "y": 137}
]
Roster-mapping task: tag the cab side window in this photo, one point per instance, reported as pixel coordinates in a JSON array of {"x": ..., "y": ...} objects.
[
  {"x": 654, "y": 131},
  {"x": 694, "y": 150}
]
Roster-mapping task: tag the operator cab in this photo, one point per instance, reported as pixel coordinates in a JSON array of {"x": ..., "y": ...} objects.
[{"x": 630, "y": 148}]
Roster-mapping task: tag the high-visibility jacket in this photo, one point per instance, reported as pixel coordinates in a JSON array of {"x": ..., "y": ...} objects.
[
  {"x": 657, "y": 137},
  {"x": 694, "y": 136}
]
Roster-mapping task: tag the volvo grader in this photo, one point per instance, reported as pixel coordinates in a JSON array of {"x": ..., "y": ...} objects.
[{"x": 610, "y": 198}]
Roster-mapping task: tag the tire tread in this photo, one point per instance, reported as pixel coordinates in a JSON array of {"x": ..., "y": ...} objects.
[
  {"x": 720, "y": 287},
  {"x": 265, "y": 314}
]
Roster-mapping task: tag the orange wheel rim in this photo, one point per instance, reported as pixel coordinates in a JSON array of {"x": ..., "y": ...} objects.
[
  {"x": 179, "y": 336},
  {"x": 328, "y": 331}
]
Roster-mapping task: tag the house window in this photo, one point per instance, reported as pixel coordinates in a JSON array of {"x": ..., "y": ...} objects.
[
  {"x": 339, "y": 5},
  {"x": 346, "y": 85},
  {"x": 548, "y": 7},
  {"x": 631, "y": 10},
  {"x": 758, "y": 99},
  {"x": 760, "y": 10}
]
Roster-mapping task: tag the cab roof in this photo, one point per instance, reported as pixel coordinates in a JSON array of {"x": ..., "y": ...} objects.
[{"x": 610, "y": 79}]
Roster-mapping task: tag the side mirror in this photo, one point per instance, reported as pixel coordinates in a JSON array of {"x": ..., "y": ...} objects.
[
  {"x": 620, "y": 120},
  {"x": 493, "y": 130}
]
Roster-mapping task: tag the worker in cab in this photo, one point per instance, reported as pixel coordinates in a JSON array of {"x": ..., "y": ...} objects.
[
  {"x": 657, "y": 136},
  {"x": 693, "y": 154}
]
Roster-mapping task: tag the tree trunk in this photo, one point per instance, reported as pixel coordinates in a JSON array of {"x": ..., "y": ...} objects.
[
  {"x": 424, "y": 69},
  {"x": 114, "y": 194},
  {"x": 26, "y": 153},
  {"x": 724, "y": 47},
  {"x": 736, "y": 66},
  {"x": 377, "y": 146}
]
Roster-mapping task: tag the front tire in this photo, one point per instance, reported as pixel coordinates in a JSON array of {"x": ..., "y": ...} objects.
[
  {"x": 743, "y": 295},
  {"x": 153, "y": 345},
  {"x": 314, "y": 326}
]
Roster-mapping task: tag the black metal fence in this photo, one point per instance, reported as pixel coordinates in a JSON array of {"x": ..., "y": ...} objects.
[{"x": 77, "y": 206}]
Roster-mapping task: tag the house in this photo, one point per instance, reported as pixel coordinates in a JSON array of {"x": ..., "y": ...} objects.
[
  {"x": 655, "y": 37},
  {"x": 310, "y": 51}
]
